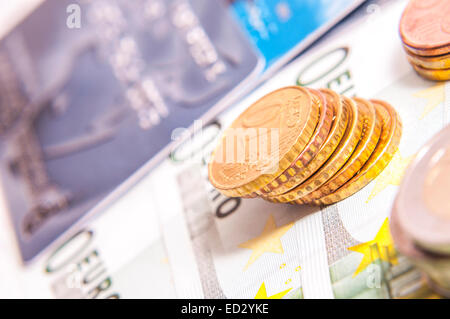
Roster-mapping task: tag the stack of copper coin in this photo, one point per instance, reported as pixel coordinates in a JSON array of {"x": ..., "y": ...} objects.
[
  {"x": 305, "y": 146},
  {"x": 425, "y": 32},
  {"x": 420, "y": 218}
]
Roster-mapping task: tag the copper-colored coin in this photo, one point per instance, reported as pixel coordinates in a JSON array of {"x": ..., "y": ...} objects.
[
  {"x": 430, "y": 62},
  {"x": 263, "y": 141},
  {"x": 425, "y": 27},
  {"x": 280, "y": 185},
  {"x": 380, "y": 158},
  {"x": 428, "y": 53},
  {"x": 335, "y": 162},
  {"x": 370, "y": 136},
  {"x": 434, "y": 75}
]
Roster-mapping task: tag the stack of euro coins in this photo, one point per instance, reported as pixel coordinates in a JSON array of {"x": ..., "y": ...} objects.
[
  {"x": 425, "y": 33},
  {"x": 420, "y": 218},
  {"x": 304, "y": 146}
]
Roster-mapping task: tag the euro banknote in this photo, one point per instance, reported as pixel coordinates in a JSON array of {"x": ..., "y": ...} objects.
[{"x": 174, "y": 235}]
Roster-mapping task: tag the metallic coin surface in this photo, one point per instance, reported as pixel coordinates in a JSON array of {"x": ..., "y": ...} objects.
[
  {"x": 428, "y": 53},
  {"x": 334, "y": 163},
  {"x": 370, "y": 136},
  {"x": 425, "y": 26},
  {"x": 301, "y": 173},
  {"x": 434, "y": 75},
  {"x": 423, "y": 198},
  {"x": 315, "y": 144},
  {"x": 380, "y": 158},
  {"x": 263, "y": 141},
  {"x": 435, "y": 266},
  {"x": 431, "y": 62}
]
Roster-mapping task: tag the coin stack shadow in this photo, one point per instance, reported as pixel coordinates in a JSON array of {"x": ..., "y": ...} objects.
[
  {"x": 330, "y": 147},
  {"x": 425, "y": 33}
]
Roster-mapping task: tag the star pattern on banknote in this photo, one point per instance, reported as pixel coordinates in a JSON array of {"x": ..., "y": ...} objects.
[
  {"x": 268, "y": 242},
  {"x": 262, "y": 293},
  {"x": 381, "y": 247},
  {"x": 391, "y": 175},
  {"x": 434, "y": 95}
]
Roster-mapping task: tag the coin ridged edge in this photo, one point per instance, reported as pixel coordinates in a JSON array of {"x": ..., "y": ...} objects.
[
  {"x": 365, "y": 148},
  {"x": 377, "y": 161},
  {"x": 340, "y": 123},
  {"x": 334, "y": 163},
  {"x": 281, "y": 183}
]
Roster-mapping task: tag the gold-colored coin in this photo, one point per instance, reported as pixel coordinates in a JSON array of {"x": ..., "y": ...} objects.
[
  {"x": 380, "y": 158},
  {"x": 435, "y": 75},
  {"x": 340, "y": 122},
  {"x": 431, "y": 62},
  {"x": 263, "y": 141},
  {"x": 335, "y": 162},
  {"x": 280, "y": 185},
  {"x": 370, "y": 136}
]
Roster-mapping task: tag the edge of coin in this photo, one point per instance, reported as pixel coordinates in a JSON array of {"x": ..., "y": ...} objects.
[
  {"x": 384, "y": 151},
  {"x": 428, "y": 230},
  {"x": 434, "y": 75},
  {"x": 339, "y": 126},
  {"x": 427, "y": 52},
  {"x": 422, "y": 48},
  {"x": 371, "y": 135},
  {"x": 341, "y": 154},
  {"x": 428, "y": 263},
  {"x": 431, "y": 62},
  {"x": 324, "y": 126},
  {"x": 301, "y": 141}
]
